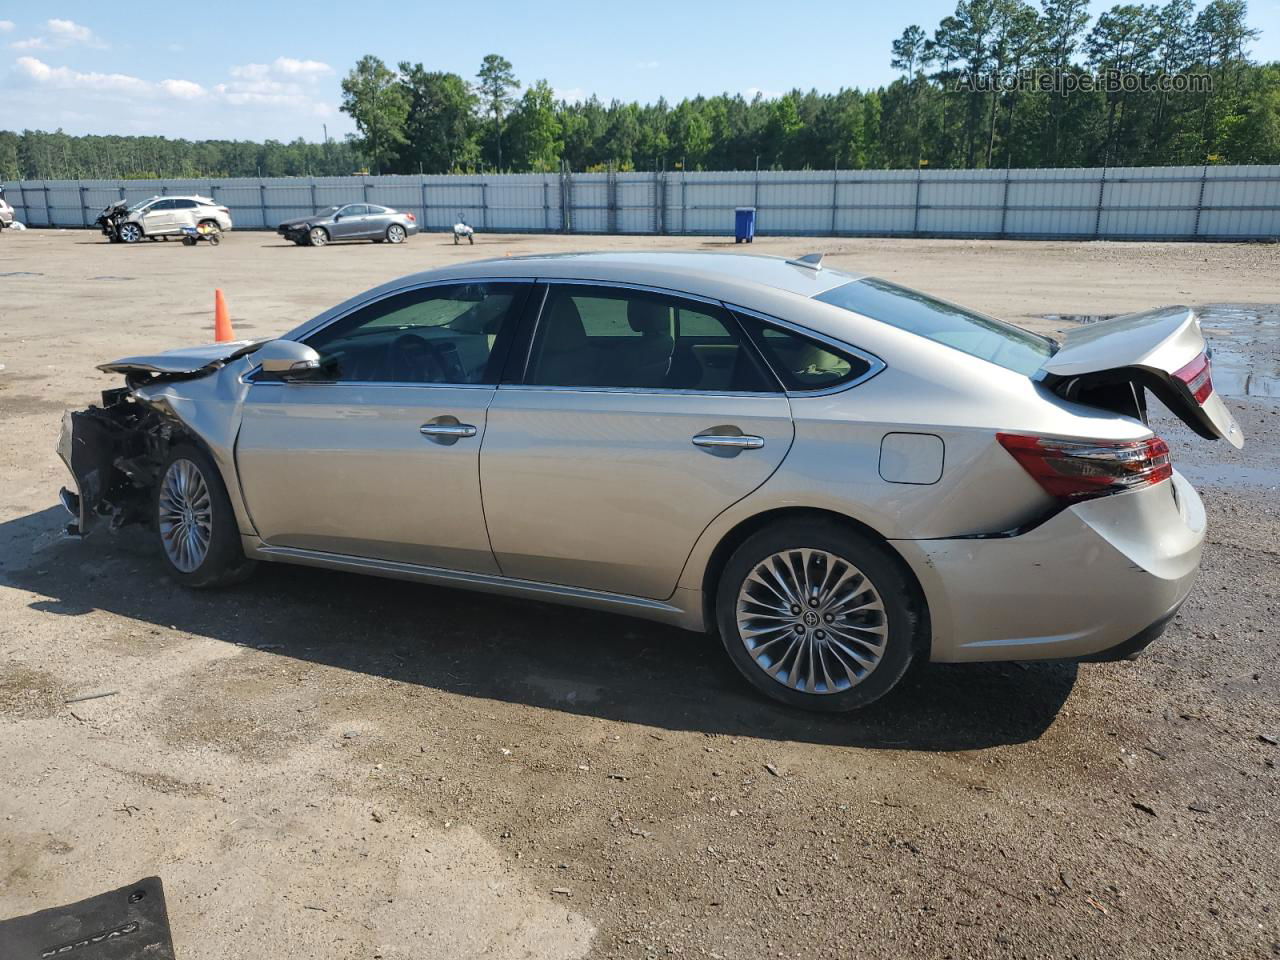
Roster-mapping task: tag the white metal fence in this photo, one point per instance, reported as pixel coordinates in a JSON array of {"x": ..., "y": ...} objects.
[{"x": 1150, "y": 203}]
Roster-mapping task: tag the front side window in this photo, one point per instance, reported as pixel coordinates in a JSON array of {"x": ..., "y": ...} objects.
[
  {"x": 973, "y": 333},
  {"x": 454, "y": 333},
  {"x": 354, "y": 210},
  {"x": 605, "y": 337},
  {"x": 161, "y": 205},
  {"x": 803, "y": 363}
]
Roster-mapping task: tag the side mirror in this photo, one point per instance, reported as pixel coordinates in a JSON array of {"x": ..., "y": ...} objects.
[{"x": 287, "y": 360}]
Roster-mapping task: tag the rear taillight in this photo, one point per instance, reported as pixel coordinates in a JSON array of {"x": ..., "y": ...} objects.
[
  {"x": 1082, "y": 469},
  {"x": 411, "y": 218},
  {"x": 1197, "y": 378}
]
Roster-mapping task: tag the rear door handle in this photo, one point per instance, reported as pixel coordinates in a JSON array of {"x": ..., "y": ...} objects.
[{"x": 740, "y": 442}]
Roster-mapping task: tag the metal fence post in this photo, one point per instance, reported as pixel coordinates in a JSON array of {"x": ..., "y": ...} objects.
[
  {"x": 484, "y": 204},
  {"x": 262, "y": 202},
  {"x": 313, "y": 195},
  {"x": 611, "y": 200},
  {"x": 48, "y": 213},
  {"x": 364, "y": 189},
  {"x": 1204, "y": 175},
  {"x": 546, "y": 206},
  {"x": 22, "y": 201},
  {"x": 84, "y": 207},
  {"x": 915, "y": 216},
  {"x": 659, "y": 202},
  {"x": 1097, "y": 217},
  {"x": 835, "y": 189},
  {"x": 683, "y": 204},
  {"x": 422, "y": 184},
  {"x": 1004, "y": 203}
]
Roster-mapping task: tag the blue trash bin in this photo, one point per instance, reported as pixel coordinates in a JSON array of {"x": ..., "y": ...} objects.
[{"x": 744, "y": 224}]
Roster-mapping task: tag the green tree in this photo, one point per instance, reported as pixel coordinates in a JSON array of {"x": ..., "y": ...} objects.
[
  {"x": 441, "y": 129},
  {"x": 496, "y": 83},
  {"x": 535, "y": 130},
  {"x": 375, "y": 99}
]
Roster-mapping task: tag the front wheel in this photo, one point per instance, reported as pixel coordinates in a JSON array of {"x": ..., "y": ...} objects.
[
  {"x": 199, "y": 538},
  {"x": 818, "y": 616},
  {"x": 395, "y": 233},
  {"x": 471, "y": 239},
  {"x": 130, "y": 233},
  {"x": 318, "y": 236}
]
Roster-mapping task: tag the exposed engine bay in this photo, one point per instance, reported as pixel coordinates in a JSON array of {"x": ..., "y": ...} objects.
[{"x": 112, "y": 218}]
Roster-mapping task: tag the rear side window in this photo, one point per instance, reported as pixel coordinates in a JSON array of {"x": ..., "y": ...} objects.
[
  {"x": 801, "y": 362},
  {"x": 604, "y": 337},
  {"x": 973, "y": 333}
]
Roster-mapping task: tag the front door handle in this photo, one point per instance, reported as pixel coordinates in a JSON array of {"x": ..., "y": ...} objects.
[
  {"x": 446, "y": 430},
  {"x": 735, "y": 441}
]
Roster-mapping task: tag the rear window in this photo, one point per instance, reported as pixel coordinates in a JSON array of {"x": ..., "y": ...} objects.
[{"x": 973, "y": 333}]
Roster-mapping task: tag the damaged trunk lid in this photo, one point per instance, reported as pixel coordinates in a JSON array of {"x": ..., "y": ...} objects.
[{"x": 1162, "y": 350}]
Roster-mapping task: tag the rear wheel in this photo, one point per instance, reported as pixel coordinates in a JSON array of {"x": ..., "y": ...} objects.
[
  {"x": 130, "y": 232},
  {"x": 199, "y": 539},
  {"x": 455, "y": 239},
  {"x": 395, "y": 233},
  {"x": 818, "y": 616},
  {"x": 318, "y": 236},
  {"x": 471, "y": 238}
]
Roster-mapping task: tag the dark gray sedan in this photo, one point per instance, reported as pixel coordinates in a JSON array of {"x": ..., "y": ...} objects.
[{"x": 354, "y": 221}]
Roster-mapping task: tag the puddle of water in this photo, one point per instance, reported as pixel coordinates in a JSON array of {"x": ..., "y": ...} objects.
[
  {"x": 109, "y": 277},
  {"x": 1230, "y": 474},
  {"x": 21, "y": 273}
]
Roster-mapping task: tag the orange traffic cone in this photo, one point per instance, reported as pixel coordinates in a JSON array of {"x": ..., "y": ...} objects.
[{"x": 221, "y": 319}]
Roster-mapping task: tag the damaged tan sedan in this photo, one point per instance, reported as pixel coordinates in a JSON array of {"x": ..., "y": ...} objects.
[{"x": 836, "y": 474}]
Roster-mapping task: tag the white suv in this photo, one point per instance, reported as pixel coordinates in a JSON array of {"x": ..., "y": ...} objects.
[
  {"x": 6, "y": 212},
  {"x": 166, "y": 216}
]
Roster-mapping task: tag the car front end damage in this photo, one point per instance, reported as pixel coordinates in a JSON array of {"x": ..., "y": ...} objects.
[{"x": 115, "y": 451}]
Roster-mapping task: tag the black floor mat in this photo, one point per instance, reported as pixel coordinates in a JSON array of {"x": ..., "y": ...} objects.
[{"x": 126, "y": 924}]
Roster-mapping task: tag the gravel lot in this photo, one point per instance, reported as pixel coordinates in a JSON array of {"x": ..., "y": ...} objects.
[{"x": 323, "y": 765}]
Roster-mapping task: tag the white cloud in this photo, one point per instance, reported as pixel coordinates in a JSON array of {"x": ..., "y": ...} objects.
[
  {"x": 183, "y": 89},
  {"x": 649, "y": 64},
  {"x": 752, "y": 92},
  {"x": 572, "y": 95},
  {"x": 6, "y": 26},
  {"x": 67, "y": 79},
  {"x": 300, "y": 68},
  {"x": 58, "y": 33},
  {"x": 282, "y": 67}
]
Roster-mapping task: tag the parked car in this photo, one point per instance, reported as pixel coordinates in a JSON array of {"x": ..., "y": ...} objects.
[
  {"x": 159, "y": 217},
  {"x": 835, "y": 473},
  {"x": 6, "y": 212},
  {"x": 352, "y": 221}
]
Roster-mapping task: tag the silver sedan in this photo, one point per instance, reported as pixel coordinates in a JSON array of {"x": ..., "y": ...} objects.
[
  {"x": 352, "y": 221},
  {"x": 836, "y": 474}
]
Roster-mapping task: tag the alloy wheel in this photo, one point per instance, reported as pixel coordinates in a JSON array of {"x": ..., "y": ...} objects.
[
  {"x": 130, "y": 233},
  {"x": 185, "y": 515},
  {"x": 318, "y": 237},
  {"x": 812, "y": 621},
  {"x": 395, "y": 233}
]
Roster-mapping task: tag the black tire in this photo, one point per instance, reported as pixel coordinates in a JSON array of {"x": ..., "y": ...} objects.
[
  {"x": 903, "y": 609},
  {"x": 224, "y": 562},
  {"x": 188, "y": 241},
  {"x": 471, "y": 239},
  {"x": 455, "y": 239}
]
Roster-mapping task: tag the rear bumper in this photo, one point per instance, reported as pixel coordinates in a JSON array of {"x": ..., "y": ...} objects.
[{"x": 1099, "y": 580}]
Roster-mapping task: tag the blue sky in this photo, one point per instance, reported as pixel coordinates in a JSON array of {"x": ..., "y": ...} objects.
[{"x": 256, "y": 70}]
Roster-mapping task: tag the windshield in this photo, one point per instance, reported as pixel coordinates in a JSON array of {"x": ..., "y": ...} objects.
[{"x": 974, "y": 333}]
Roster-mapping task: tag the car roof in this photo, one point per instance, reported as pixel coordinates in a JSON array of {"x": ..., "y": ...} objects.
[{"x": 720, "y": 276}]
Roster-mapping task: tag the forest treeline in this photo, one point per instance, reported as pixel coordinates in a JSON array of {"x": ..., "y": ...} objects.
[{"x": 997, "y": 83}]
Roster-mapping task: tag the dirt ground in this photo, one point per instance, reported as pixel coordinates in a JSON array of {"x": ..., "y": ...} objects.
[{"x": 323, "y": 765}]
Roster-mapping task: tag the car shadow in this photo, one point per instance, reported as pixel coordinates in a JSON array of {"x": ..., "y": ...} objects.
[{"x": 541, "y": 655}]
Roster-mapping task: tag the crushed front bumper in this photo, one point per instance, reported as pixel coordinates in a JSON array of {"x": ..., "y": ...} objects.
[{"x": 1099, "y": 580}]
